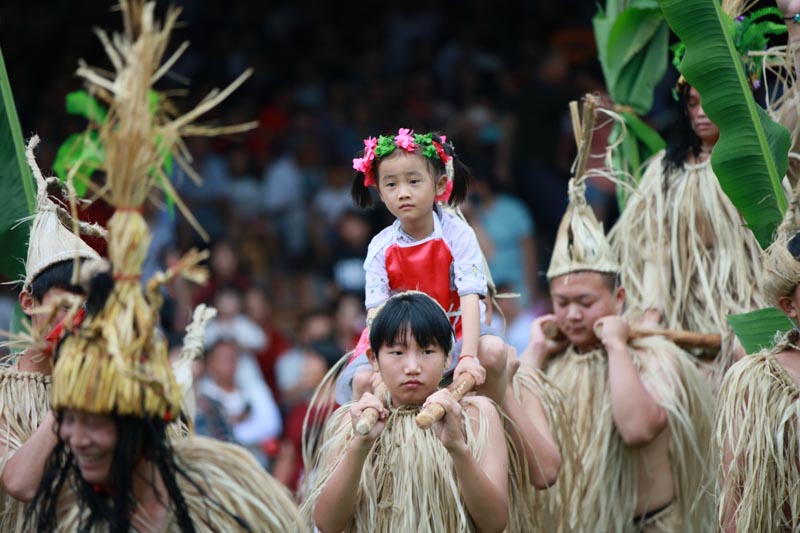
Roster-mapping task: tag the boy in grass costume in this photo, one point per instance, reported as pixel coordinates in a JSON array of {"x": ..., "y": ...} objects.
[{"x": 640, "y": 411}]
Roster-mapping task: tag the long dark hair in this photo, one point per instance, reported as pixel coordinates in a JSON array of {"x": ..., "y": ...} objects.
[
  {"x": 462, "y": 177},
  {"x": 137, "y": 439},
  {"x": 682, "y": 140}
]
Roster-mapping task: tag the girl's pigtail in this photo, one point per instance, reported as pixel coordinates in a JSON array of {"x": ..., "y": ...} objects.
[
  {"x": 462, "y": 177},
  {"x": 361, "y": 194}
]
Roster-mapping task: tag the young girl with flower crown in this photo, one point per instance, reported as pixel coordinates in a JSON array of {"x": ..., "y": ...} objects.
[{"x": 428, "y": 249}]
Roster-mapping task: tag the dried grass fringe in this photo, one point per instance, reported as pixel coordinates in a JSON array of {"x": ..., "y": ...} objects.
[
  {"x": 706, "y": 262},
  {"x": 24, "y": 402},
  {"x": 758, "y": 420},
  {"x": 232, "y": 481},
  {"x": 545, "y": 504},
  {"x": 602, "y": 489},
  {"x": 408, "y": 482}
]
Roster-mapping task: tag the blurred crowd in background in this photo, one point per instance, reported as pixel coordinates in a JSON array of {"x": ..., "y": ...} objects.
[{"x": 286, "y": 242}]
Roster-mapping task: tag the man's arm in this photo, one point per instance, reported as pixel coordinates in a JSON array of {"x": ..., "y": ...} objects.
[
  {"x": 532, "y": 435},
  {"x": 637, "y": 416},
  {"x": 23, "y": 471}
]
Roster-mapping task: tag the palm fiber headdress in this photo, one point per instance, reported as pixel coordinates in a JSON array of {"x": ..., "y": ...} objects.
[{"x": 116, "y": 361}]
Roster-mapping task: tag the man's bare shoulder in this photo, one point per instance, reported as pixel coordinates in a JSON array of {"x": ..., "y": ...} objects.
[{"x": 789, "y": 360}]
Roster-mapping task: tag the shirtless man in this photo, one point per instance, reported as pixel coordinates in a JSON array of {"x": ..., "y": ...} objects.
[{"x": 631, "y": 402}]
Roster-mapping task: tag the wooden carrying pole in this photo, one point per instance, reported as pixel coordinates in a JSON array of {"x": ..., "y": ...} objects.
[
  {"x": 686, "y": 339},
  {"x": 369, "y": 416},
  {"x": 434, "y": 411},
  {"x": 426, "y": 417}
]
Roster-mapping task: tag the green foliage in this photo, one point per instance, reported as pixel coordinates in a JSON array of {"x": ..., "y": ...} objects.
[
  {"x": 84, "y": 104},
  {"x": 18, "y": 197},
  {"x": 82, "y": 149},
  {"x": 751, "y": 155},
  {"x": 756, "y": 330},
  {"x": 85, "y": 150},
  {"x": 632, "y": 42}
]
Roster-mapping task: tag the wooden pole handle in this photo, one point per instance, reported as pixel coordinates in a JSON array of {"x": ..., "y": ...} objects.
[
  {"x": 551, "y": 331},
  {"x": 434, "y": 411},
  {"x": 686, "y": 339},
  {"x": 369, "y": 416}
]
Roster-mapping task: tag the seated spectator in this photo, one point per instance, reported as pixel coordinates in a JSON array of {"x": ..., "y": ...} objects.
[
  {"x": 296, "y": 380},
  {"x": 225, "y": 271},
  {"x": 349, "y": 321},
  {"x": 511, "y": 250},
  {"x": 232, "y": 323},
  {"x": 258, "y": 307},
  {"x": 210, "y": 419},
  {"x": 349, "y": 249},
  {"x": 288, "y": 466},
  {"x": 249, "y": 406}
]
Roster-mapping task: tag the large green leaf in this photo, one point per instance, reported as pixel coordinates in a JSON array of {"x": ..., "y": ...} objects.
[
  {"x": 632, "y": 38},
  {"x": 751, "y": 155},
  {"x": 18, "y": 196},
  {"x": 632, "y": 48},
  {"x": 756, "y": 330}
]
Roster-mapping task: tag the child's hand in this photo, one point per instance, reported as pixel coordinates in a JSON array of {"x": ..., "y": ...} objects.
[
  {"x": 472, "y": 366},
  {"x": 368, "y": 400},
  {"x": 450, "y": 429}
]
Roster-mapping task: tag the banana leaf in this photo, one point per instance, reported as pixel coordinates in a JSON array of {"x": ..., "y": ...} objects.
[
  {"x": 632, "y": 39},
  {"x": 751, "y": 156},
  {"x": 18, "y": 198},
  {"x": 757, "y": 330}
]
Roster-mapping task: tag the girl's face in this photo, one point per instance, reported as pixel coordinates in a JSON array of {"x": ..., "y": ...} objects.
[
  {"x": 92, "y": 439},
  {"x": 408, "y": 189},
  {"x": 701, "y": 124},
  {"x": 410, "y": 372}
]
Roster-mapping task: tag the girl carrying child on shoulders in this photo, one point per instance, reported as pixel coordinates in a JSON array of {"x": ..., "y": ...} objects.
[
  {"x": 427, "y": 249},
  {"x": 398, "y": 477}
]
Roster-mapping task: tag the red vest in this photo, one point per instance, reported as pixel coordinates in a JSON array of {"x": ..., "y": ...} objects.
[{"x": 425, "y": 267}]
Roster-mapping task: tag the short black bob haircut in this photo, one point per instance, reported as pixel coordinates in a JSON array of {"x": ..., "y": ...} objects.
[
  {"x": 411, "y": 313},
  {"x": 56, "y": 276}
]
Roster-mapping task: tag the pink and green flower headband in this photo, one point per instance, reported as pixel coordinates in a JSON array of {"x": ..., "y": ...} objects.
[{"x": 406, "y": 140}]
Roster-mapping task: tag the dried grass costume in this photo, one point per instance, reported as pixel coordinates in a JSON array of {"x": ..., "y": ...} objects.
[
  {"x": 758, "y": 415},
  {"x": 116, "y": 363},
  {"x": 684, "y": 250},
  {"x": 601, "y": 487},
  {"x": 758, "y": 421},
  {"x": 408, "y": 482}
]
